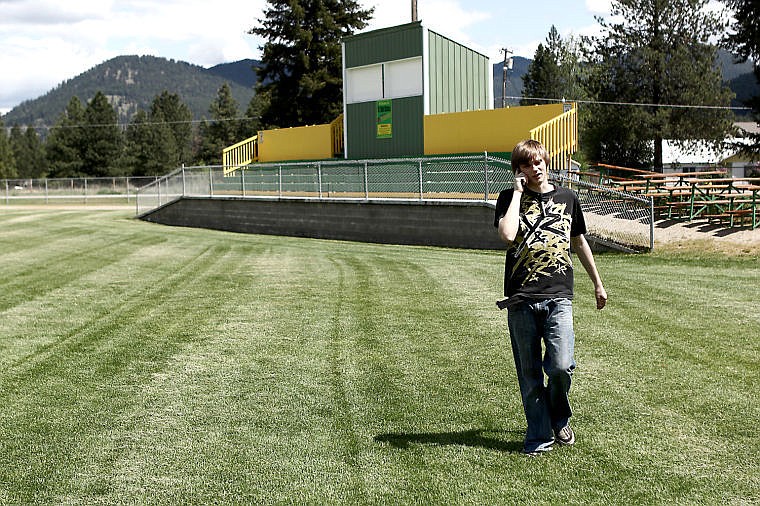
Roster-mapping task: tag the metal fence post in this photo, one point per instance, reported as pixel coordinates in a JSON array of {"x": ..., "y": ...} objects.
[
  {"x": 485, "y": 164},
  {"x": 46, "y": 191},
  {"x": 366, "y": 182},
  {"x": 651, "y": 223},
  {"x": 422, "y": 195},
  {"x": 158, "y": 183},
  {"x": 85, "y": 190},
  {"x": 7, "y": 198},
  {"x": 184, "y": 185},
  {"x": 242, "y": 180},
  {"x": 279, "y": 180},
  {"x": 211, "y": 181},
  {"x": 319, "y": 178}
]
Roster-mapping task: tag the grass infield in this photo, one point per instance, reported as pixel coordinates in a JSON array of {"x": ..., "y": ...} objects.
[{"x": 147, "y": 364}]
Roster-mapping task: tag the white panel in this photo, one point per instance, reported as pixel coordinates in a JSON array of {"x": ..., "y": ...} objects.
[
  {"x": 364, "y": 84},
  {"x": 403, "y": 78}
]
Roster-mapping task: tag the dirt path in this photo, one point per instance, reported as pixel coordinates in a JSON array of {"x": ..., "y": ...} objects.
[{"x": 672, "y": 234}]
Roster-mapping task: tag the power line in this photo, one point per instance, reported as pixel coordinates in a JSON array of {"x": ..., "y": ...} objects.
[
  {"x": 144, "y": 123},
  {"x": 635, "y": 104}
]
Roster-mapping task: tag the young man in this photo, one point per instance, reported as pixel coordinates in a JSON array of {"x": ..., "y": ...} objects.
[{"x": 540, "y": 221}]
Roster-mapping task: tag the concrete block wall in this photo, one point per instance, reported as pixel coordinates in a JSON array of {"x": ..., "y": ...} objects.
[{"x": 431, "y": 223}]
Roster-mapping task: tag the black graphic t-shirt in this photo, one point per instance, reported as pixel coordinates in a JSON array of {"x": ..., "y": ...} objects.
[{"x": 538, "y": 264}]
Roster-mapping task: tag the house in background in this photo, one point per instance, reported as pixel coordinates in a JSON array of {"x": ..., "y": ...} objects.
[{"x": 700, "y": 156}]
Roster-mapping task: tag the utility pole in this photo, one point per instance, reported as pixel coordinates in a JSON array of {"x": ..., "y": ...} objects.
[
  {"x": 507, "y": 64},
  {"x": 414, "y": 11}
]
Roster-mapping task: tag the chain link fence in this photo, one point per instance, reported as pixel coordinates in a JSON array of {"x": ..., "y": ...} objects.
[
  {"x": 86, "y": 190},
  {"x": 616, "y": 219}
]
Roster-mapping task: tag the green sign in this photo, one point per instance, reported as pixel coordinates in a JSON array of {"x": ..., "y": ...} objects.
[{"x": 384, "y": 119}]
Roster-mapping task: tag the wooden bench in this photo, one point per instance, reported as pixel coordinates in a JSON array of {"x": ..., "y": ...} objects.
[{"x": 729, "y": 215}]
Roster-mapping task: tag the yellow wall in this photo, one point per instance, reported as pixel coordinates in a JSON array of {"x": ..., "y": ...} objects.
[
  {"x": 496, "y": 130},
  {"x": 298, "y": 143}
]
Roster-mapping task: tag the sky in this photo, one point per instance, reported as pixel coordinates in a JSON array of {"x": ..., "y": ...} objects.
[{"x": 45, "y": 42}]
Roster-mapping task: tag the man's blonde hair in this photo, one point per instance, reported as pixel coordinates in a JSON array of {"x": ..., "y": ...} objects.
[{"x": 526, "y": 151}]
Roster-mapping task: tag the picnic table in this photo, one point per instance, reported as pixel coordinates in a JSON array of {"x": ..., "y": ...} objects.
[
  {"x": 694, "y": 195},
  {"x": 725, "y": 198}
]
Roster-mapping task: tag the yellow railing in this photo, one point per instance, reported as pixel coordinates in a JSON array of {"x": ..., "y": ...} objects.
[
  {"x": 337, "y": 135},
  {"x": 560, "y": 138},
  {"x": 241, "y": 154}
]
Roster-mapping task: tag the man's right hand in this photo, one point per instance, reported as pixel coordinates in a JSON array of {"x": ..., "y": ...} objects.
[{"x": 519, "y": 183}]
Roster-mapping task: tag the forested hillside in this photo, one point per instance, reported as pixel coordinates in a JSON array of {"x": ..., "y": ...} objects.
[{"x": 131, "y": 83}]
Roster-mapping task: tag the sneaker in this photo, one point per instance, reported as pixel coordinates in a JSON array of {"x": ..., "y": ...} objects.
[{"x": 565, "y": 436}]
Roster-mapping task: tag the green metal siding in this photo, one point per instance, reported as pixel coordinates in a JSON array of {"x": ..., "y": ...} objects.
[
  {"x": 408, "y": 137},
  {"x": 459, "y": 76},
  {"x": 388, "y": 44}
]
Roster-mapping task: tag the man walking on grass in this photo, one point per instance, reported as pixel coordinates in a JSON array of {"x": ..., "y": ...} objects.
[{"x": 539, "y": 221}]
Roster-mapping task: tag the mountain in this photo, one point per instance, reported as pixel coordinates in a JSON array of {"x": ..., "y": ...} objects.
[
  {"x": 132, "y": 82},
  {"x": 730, "y": 68},
  {"x": 514, "y": 80},
  {"x": 241, "y": 72}
]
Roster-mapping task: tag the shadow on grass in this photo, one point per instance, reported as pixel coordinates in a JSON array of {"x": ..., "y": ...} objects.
[{"x": 474, "y": 438}]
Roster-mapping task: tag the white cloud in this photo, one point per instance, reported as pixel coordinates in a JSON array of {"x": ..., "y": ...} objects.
[
  {"x": 45, "y": 42},
  {"x": 599, "y": 6}
]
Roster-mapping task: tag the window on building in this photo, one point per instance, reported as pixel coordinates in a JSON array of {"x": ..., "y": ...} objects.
[{"x": 394, "y": 79}]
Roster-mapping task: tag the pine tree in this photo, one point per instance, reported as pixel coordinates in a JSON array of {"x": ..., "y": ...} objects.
[
  {"x": 65, "y": 144},
  {"x": 169, "y": 108},
  {"x": 28, "y": 152},
  {"x": 7, "y": 161},
  {"x": 301, "y": 62},
  {"x": 102, "y": 138},
  {"x": 660, "y": 54},
  {"x": 224, "y": 129},
  {"x": 256, "y": 107},
  {"x": 745, "y": 40},
  {"x": 554, "y": 72},
  {"x": 150, "y": 147}
]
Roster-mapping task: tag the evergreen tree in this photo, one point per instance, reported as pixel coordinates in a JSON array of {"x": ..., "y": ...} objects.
[
  {"x": 169, "y": 108},
  {"x": 28, "y": 152},
  {"x": 65, "y": 144},
  {"x": 554, "y": 72},
  {"x": 745, "y": 40},
  {"x": 659, "y": 54},
  {"x": 223, "y": 131},
  {"x": 102, "y": 138},
  {"x": 256, "y": 107},
  {"x": 150, "y": 147},
  {"x": 7, "y": 162},
  {"x": 301, "y": 62}
]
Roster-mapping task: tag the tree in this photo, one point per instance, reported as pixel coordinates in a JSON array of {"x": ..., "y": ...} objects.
[
  {"x": 554, "y": 72},
  {"x": 169, "y": 109},
  {"x": 150, "y": 147},
  {"x": 28, "y": 152},
  {"x": 7, "y": 161},
  {"x": 256, "y": 107},
  {"x": 103, "y": 141},
  {"x": 301, "y": 61},
  {"x": 659, "y": 56},
  {"x": 65, "y": 144},
  {"x": 745, "y": 41},
  {"x": 224, "y": 129}
]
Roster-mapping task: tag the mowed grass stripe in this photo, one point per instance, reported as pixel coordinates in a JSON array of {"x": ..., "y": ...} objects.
[
  {"x": 654, "y": 360},
  {"x": 93, "y": 366},
  {"x": 228, "y": 368}
]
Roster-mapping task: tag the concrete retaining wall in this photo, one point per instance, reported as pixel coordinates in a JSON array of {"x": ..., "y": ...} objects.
[{"x": 431, "y": 223}]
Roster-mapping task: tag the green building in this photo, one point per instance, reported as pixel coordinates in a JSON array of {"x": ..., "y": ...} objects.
[{"x": 395, "y": 76}]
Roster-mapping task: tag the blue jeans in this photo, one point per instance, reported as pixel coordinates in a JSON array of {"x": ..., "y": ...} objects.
[{"x": 546, "y": 405}]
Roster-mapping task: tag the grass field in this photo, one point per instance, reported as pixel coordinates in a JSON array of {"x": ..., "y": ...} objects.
[{"x": 149, "y": 364}]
